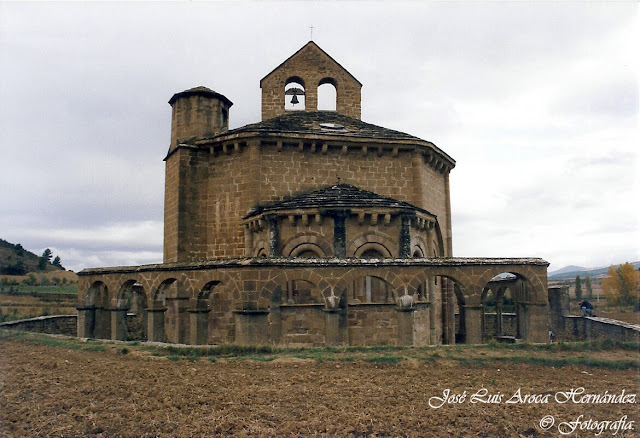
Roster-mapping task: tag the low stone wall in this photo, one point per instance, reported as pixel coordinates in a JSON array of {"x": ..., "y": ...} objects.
[
  {"x": 509, "y": 325},
  {"x": 53, "y": 324},
  {"x": 580, "y": 328}
]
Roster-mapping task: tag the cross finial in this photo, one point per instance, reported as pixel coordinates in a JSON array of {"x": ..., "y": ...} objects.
[{"x": 311, "y": 29}]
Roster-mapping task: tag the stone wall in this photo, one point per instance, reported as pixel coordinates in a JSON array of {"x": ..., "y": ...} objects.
[
  {"x": 54, "y": 324},
  {"x": 208, "y": 191},
  {"x": 568, "y": 327},
  {"x": 244, "y": 301},
  {"x": 580, "y": 328}
]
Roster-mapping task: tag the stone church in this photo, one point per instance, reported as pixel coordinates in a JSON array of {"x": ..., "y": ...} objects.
[{"x": 310, "y": 227}]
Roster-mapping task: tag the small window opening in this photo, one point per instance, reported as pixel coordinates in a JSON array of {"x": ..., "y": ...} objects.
[{"x": 327, "y": 96}]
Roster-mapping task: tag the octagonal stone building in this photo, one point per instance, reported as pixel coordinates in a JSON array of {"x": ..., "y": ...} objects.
[{"x": 310, "y": 227}]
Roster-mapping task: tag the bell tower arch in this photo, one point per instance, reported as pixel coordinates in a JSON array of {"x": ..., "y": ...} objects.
[{"x": 312, "y": 67}]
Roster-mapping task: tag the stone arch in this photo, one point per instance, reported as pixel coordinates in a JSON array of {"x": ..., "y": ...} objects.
[
  {"x": 260, "y": 248},
  {"x": 327, "y": 94},
  {"x": 372, "y": 239},
  {"x": 530, "y": 300},
  {"x": 299, "y": 291},
  {"x": 418, "y": 246},
  {"x": 94, "y": 318},
  {"x": 97, "y": 295},
  {"x": 129, "y": 314},
  {"x": 319, "y": 244},
  {"x": 163, "y": 290},
  {"x": 294, "y": 91},
  {"x": 205, "y": 292},
  {"x": 370, "y": 247},
  {"x": 358, "y": 275},
  {"x": 279, "y": 282},
  {"x": 535, "y": 289}
]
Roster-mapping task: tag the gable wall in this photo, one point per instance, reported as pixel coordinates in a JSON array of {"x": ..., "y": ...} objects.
[{"x": 311, "y": 65}]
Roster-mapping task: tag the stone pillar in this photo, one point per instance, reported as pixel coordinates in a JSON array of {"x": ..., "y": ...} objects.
[
  {"x": 473, "y": 324},
  {"x": 404, "y": 242},
  {"x": 339, "y": 232},
  {"x": 449, "y": 238},
  {"x": 422, "y": 325},
  {"x": 86, "y": 322},
  {"x": 449, "y": 310},
  {"x": 119, "y": 324},
  {"x": 199, "y": 326},
  {"x": 252, "y": 327},
  {"x": 155, "y": 324},
  {"x": 405, "y": 325},
  {"x": 177, "y": 320},
  {"x": 536, "y": 316},
  {"x": 274, "y": 235},
  {"x": 499, "y": 318},
  {"x": 417, "y": 165},
  {"x": 102, "y": 328},
  {"x": 332, "y": 333},
  {"x": 248, "y": 241},
  {"x": 558, "y": 309}
]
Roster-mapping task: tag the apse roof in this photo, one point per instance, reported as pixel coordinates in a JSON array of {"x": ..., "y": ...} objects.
[
  {"x": 336, "y": 196},
  {"x": 321, "y": 123}
]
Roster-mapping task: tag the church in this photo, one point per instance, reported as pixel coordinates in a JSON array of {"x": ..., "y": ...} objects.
[{"x": 308, "y": 228}]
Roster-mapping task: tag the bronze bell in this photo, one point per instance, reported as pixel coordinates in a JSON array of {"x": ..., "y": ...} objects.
[{"x": 294, "y": 99}]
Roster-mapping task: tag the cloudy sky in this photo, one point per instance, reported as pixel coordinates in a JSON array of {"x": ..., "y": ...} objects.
[{"x": 537, "y": 102}]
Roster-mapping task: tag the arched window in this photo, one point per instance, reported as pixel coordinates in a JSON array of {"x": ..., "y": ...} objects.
[
  {"x": 327, "y": 95},
  {"x": 372, "y": 289},
  {"x": 294, "y": 94}
]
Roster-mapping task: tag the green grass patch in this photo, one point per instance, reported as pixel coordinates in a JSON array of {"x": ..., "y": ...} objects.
[
  {"x": 386, "y": 359},
  {"x": 94, "y": 348}
]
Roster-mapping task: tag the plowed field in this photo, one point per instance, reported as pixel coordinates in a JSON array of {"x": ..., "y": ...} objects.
[{"x": 62, "y": 387}]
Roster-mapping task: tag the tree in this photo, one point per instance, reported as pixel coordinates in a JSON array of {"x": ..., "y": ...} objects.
[
  {"x": 621, "y": 287},
  {"x": 56, "y": 263},
  {"x": 44, "y": 259},
  {"x": 578, "y": 287},
  {"x": 587, "y": 285}
]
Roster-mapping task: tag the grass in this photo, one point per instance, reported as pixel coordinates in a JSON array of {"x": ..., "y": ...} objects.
[
  {"x": 67, "y": 289},
  {"x": 556, "y": 355}
]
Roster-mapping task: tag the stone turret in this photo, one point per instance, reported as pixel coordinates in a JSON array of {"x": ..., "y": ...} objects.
[{"x": 196, "y": 113}]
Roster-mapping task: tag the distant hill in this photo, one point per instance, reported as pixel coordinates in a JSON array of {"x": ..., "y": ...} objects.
[
  {"x": 573, "y": 271},
  {"x": 15, "y": 260},
  {"x": 566, "y": 269}
]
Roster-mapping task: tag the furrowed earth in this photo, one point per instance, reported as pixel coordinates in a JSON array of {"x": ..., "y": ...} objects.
[{"x": 58, "y": 386}]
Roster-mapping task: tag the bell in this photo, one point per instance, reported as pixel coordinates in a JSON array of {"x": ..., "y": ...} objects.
[{"x": 294, "y": 100}]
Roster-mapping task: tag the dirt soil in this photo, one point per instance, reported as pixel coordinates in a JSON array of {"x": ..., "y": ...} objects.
[{"x": 57, "y": 391}]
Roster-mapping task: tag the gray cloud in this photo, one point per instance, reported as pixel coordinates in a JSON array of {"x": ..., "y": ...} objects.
[{"x": 545, "y": 142}]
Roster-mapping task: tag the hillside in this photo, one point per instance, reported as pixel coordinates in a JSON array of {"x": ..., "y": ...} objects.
[
  {"x": 15, "y": 260},
  {"x": 567, "y": 273}
]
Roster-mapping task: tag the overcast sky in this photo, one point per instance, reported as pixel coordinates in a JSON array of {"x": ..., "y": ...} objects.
[{"x": 537, "y": 103}]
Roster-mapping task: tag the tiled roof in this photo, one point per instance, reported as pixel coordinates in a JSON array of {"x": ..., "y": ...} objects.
[
  {"x": 321, "y": 123},
  {"x": 200, "y": 91},
  {"x": 337, "y": 196}
]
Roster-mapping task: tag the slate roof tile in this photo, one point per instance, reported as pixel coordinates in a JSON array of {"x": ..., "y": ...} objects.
[{"x": 337, "y": 196}]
